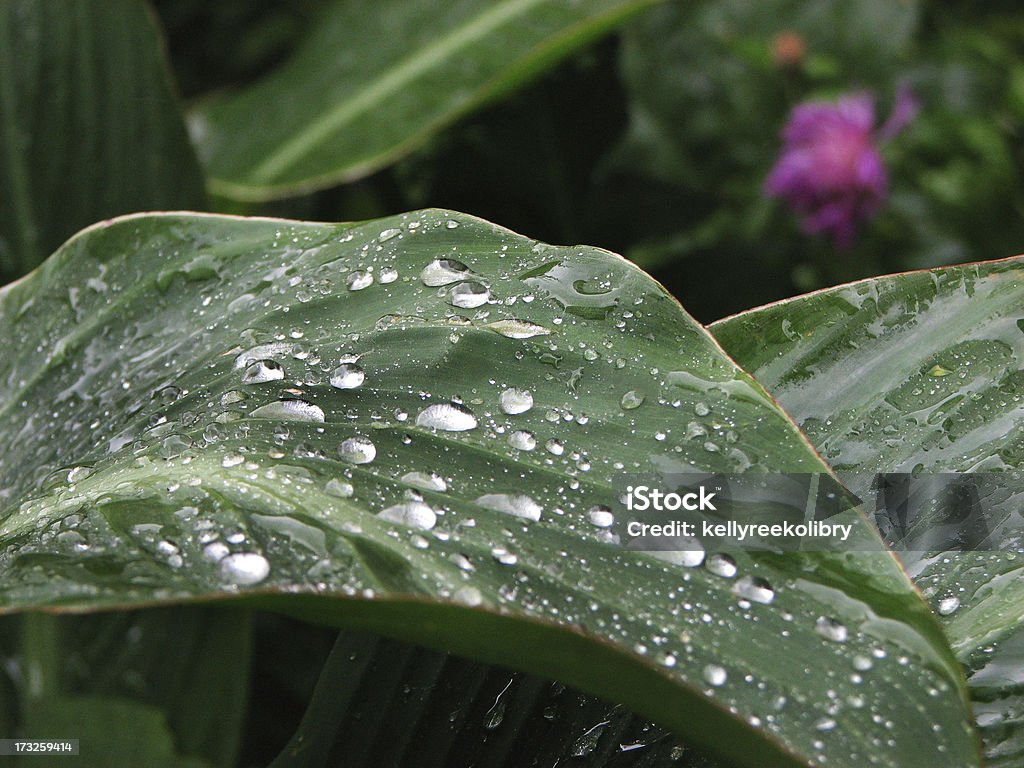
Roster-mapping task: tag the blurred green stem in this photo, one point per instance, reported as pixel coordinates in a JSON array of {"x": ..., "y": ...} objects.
[{"x": 40, "y": 651}]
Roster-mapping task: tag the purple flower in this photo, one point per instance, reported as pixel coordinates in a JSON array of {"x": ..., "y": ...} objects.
[{"x": 830, "y": 171}]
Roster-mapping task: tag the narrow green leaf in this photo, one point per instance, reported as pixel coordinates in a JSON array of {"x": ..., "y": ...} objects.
[
  {"x": 89, "y": 124},
  {"x": 373, "y": 82},
  {"x": 331, "y": 421},
  {"x": 922, "y": 373}
]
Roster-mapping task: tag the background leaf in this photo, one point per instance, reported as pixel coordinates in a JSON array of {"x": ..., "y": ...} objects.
[
  {"x": 371, "y": 83},
  {"x": 921, "y": 373},
  {"x": 90, "y": 126},
  {"x": 160, "y": 462}
]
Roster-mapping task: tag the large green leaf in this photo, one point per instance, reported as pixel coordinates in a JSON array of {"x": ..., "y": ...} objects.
[
  {"x": 921, "y": 373},
  {"x": 89, "y": 124},
  {"x": 324, "y": 420},
  {"x": 374, "y": 81}
]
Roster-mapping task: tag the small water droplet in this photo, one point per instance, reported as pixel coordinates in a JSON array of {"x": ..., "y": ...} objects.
[
  {"x": 632, "y": 400},
  {"x": 339, "y": 488},
  {"x": 244, "y": 568},
  {"x": 467, "y": 595},
  {"x": 554, "y": 447},
  {"x": 262, "y": 371},
  {"x": 715, "y": 675},
  {"x": 347, "y": 376},
  {"x": 831, "y": 629},
  {"x": 469, "y": 295},
  {"x": 357, "y": 450},
  {"x": 514, "y": 401},
  {"x": 387, "y": 234},
  {"x": 387, "y": 275},
  {"x": 448, "y": 417},
  {"x": 948, "y": 605}
]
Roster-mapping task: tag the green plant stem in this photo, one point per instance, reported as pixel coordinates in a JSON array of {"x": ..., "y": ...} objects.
[{"x": 40, "y": 649}]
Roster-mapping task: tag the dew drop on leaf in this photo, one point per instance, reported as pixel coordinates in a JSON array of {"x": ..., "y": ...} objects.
[
  {"x": 754, "y": 588},
  {"x": 721, "y": 565},
  {"x": 469, "y": 295},
  {"x": 414, "y": 514},
  {"x": 244, "y": 568},
  {"x": 262, "y": 371},
  {"x": 514, "y": 401},
  {"x": 347, "y": 376},
  {"x": 600, "y": 516},
  {"x": 444, "y": 272},
  {"x": 447, "y": 417},
  {"x": 715, "y": 675},
  {"x": 948, "y": 605},
  {"x": 831, "y": 629},
  {"x": 357, "y": 450},
  {"x": 426, "y": 481},
  {"x": 632, "y": 399},
  {"x": 289, "y": 410},
  {"x": 358, "y": 280},
  {"x": 519, "y": 505},
  {"x": 522, "y": 440}
]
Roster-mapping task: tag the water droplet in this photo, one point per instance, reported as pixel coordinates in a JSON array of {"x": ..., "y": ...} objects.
[
  {"x": 825, "y": 724},
  {"x": 587, "y": 743},
  {"x": 289, "y": 410},
  {"x": 387, "y": 234},
  {"x": 467, "y": 595},
  {"x": 517, "y": 329},
  {"x": 347, "y": 376},
  {"x": 715, "y": 675},
  {"x": 262, "y": 371},
  {"x": 522, "y": 440},
  {"x": 754, "y": 588},
  {"x": 515, "y": 401},
  {"x": 357, "y": 450},
  {"x": 414, "y": 514},
  {"x": 232, "y": 460},
  {"x": 426, "y": 481},
  {"x": 519, "y": 505},
  {"x": 339, "y": 488},
  {"x": 469, "y": 295},
  {"x": 632, "y": 399},
  {"x": 387, "y": 275},
  {"x": 554, "y": 447},
  {"x": 244, "y": 568},
  {"x": 444, "y": 272},
  {"x": 601, "y": 516},
  {"x": 721, "y": 565},
  {"x": 701, "y": 409},
  {"x": 358, "y": 280},
  {"x": 831, "y": 629},
  {"x": 448, "y": 417},
  {"x": 948, "y": 605}
]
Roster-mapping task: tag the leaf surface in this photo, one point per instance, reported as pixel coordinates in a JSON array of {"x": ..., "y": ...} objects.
[{"x": 412, "y": 426}]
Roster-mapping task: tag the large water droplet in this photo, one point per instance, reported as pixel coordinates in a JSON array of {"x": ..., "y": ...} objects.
[
  {"x": 414, "y": 514},
  {"x": 515, "y": 401},
  {"x": 289, "y": 410},
  {"x": 448, "y": 417},
  {"x": 755, "y": 589},
  {"x": 358, "y": 280},
  {"x": 347, "y": 376},
  {"x": 426, "y": 481},
  {"x": 601, "y": 516},
  {"x": 519, "y": 505},
  {"x": 721, "y": 565},
  {"x": 262, "y": 371},
  {"x": 517, "y": 329},
  {"x": 244, "y": 568},
  {"x": 444, "y": 272},
  {"x": 469, "y": 295},
  {"x": 357, "y": 450},
  {"x": 522, "y": 440}
]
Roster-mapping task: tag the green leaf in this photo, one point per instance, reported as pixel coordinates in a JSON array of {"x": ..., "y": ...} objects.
[
  {"x": 112, "y": 733},
  {"x": 372, "y": 83},
  {"x": 336, "y": 406},
  {"x": 90, "y": 126},
  {"x": 922, "y": 373}
]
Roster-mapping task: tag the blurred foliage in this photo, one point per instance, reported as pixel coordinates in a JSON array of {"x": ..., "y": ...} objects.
[{"x": 656, "y": 144}]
